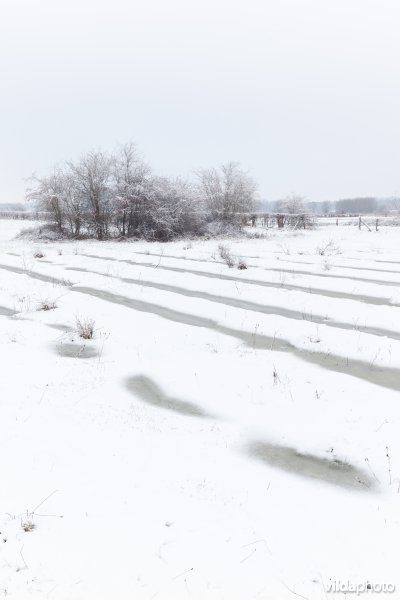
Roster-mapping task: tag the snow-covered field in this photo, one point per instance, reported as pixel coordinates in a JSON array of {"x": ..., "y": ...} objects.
[{"x": 227, "y": 434}]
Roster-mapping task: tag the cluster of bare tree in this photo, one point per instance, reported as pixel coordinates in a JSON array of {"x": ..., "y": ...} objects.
[{"x": 103, "y": 195}]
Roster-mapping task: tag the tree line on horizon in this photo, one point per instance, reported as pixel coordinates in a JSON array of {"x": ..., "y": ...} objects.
[{"x": 362, "y": 205}]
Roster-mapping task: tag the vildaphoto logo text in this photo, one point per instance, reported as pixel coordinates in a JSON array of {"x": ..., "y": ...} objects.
[{"x": 360, "y": 587}]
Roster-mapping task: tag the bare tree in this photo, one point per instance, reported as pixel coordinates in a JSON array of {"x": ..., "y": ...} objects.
[
  {"x": 228, "y": 192},
  {"x": 131, "y": 178},
  {"x": 74, "y": 204},
  {"x": 48, "y": 194},
  {"x": 292, "y": 204},
  {"x": 92, "y": 182}
]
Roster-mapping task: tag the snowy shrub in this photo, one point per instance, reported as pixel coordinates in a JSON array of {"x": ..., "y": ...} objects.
[
  {"x": 242, "y": 264},
  {"x": 223, "y": 229},
  {"x": 255, "y": 235},
  {"x": 45, "y": 232},
  {"x": 38, "y": 254}
]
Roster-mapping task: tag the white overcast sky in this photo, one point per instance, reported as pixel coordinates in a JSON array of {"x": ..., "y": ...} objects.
[{"x": 304, "y": 93}]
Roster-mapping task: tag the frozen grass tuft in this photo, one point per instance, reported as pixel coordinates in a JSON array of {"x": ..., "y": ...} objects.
[
  {"x": 85, "y": 328},
  {"x": 47, "y": 304},
  {"x": 328, "y": 248},
  {"x": 226, "y": 255},
  {"x": 28, "y": 525},
  {"x": 66, "y": 282}
]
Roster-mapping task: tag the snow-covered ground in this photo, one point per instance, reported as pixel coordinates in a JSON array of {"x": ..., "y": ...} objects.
[{"x": 227, "y": 434}]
